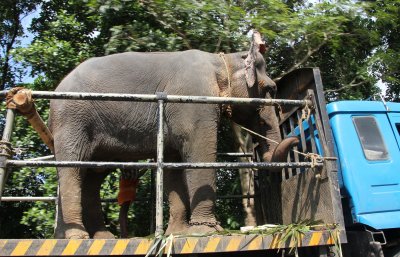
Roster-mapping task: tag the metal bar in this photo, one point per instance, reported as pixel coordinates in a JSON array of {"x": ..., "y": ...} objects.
[
  {"x": 312, "y": 135},
  {"x": 8, "y": 129},
  {"x": 318, "y": 124},
  {"x": 235, "y": 165},
  {"x": 106, "y": 200},
  {"x": 169, "y": 165},
  {"x": 159, "y": 175},
  {"x": 28, "y": 198},
  {"x": 286, "y": 173},
  {"x": 165, "y": 98},
  {"x": 302, "y": 135},
  {"x": 296, "y": 155},
  {"x": 236, "y": 154},
  {"x": 54, "y": 198},
  {"x": 152, "y": 203},
  {"x": 42, "y": 158},
  {"x": 88, "y": 164},
  {"x": 7, "y": 132}
]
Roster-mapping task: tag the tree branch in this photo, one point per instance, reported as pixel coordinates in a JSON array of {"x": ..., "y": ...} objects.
[
  {"x": 305, "y": 58},
  {"x": 9, "y": 46},
  {"x": 157, "y": 16},
  {"x": 218, "y": 45},
  {"x": 350, "y": 85}
]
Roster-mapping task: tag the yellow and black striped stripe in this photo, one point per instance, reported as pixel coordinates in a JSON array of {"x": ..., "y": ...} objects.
[{"x": 140, "y": 246}]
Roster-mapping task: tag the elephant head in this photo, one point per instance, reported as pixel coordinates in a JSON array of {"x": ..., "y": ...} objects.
[{"x": 249, "y": 79}]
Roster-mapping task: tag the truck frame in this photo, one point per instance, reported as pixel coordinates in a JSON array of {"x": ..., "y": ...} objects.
[{"x": 304, "y": 188}]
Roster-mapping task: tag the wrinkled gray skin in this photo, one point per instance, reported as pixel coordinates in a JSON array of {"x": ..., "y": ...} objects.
[{"x": 126, "y": 131}]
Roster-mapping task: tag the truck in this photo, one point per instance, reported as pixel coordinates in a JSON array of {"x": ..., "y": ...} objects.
[{"x": 343, "y": 177}]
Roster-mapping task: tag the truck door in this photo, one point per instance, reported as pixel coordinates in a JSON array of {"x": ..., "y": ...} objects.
[
  {"x": 369, "y": 155},
  {"x": 378, "y": 187}
]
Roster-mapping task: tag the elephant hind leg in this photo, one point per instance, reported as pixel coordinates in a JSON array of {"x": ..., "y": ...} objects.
[
  {"x": 178, "y": 202},
  {"x": 92, "y": 213},
  {"x": 201, "y": 183}
]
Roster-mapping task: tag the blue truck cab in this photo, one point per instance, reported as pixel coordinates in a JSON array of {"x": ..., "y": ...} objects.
[{"x": 367, "y": 144}]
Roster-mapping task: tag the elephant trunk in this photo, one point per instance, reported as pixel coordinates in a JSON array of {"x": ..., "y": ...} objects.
[
  {"x": 281, "y": 151},
  {"x": 274, "y": 149}
]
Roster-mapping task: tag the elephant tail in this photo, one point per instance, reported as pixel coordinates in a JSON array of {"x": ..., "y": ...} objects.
[{"x": 281, "y": 151}]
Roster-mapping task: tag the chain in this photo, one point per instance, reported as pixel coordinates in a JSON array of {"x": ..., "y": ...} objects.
[{"x": 206, "y": 223}]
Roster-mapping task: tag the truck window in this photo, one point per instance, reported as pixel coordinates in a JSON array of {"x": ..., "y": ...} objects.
[
  {"x": 371, "y": 138},
  {"x": 398, "y": 127}
]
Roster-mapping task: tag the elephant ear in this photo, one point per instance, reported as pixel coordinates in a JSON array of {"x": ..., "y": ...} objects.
[{"x": 257, "y": 45}]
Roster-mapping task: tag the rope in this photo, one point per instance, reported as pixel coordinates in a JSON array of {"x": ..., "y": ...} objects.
[
  {"x": 227, "y": 107},
  {"x": 305, "y": 113},
  {"x": 5, "y": 149},
  {"x": 313, "y": 157},
  {"x": 222, "y": 55}
]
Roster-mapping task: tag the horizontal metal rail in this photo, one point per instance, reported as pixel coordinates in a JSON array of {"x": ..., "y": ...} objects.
[
  {"x": 236, "y": 154},
  {"x": 153, "y": 165},
  {"x": 51, "y": 157},
  {"x": 28, "y": 198},
  {"x": 106, "y": 200},
  {"x": 42, "y": 158},
  {"x": 164, "y": 97}
]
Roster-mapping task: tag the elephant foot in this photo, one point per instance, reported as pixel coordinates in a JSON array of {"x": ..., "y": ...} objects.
[
  {"x": 75, "y": 233},
  {"x": 204, "y": 228},
  {"x": 103, "y": 235}
]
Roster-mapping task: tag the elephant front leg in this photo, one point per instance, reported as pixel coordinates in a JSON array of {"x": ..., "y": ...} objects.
[
  {"x": 71, "y": 226},
  {"x": 178, "y": 202},
  {"x": 201, "y": 183}
]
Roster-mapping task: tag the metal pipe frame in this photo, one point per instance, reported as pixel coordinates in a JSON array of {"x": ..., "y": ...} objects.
[
  {"x": 28, "y": 198},
  {"x": 160, "y": 170},
  {"x": 169, "y": 165},
  {"x": 164, "y": 97},
  {"x": 236, "y": 154},
  {"x": 7, "y": 132},
  {"x": 161, "y": 98},
  {"x": 106, "y": 200}
]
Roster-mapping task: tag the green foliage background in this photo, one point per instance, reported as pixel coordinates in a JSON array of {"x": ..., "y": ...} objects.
[{"x": 355, "y": 44}]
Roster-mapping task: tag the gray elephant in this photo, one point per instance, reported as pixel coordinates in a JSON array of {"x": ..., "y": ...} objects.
[{"x": 126, "y": 131}]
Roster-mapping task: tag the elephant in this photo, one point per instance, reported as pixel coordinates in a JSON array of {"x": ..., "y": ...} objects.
[{"x": 126, "y": 131}]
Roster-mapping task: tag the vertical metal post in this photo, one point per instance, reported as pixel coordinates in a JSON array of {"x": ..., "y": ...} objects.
[
  {"x": 152, "y": 202},
  {"x": 8, "y": 128},
  {"x": 159, "y": 176}
]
